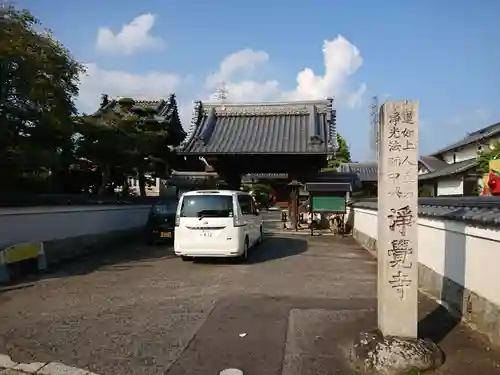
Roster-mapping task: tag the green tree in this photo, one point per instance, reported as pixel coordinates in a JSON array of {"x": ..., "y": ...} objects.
[
  {"x": 100, "y": 148},
  {"x": 261, "y": 193},
  {"x": 484, "y": 158},
  {"x": 343, "y": 155},
  {"x": 130, "y": 140},
  {"x": 38, "y": 82}
]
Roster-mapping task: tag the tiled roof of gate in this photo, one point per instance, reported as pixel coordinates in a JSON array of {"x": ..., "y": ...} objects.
[
  {"x": 286, "y": 128},
  {"x": 483, "y": 210}
]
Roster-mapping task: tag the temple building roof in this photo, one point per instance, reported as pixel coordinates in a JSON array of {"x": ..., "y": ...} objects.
[
  {"x": 306, "y": 127},
  {"x": 161, "y": 110}
]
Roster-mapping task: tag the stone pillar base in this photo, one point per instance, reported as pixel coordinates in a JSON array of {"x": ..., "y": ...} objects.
[{"x": 375, "y": 354}]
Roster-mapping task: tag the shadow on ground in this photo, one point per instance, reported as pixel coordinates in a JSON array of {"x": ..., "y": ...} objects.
[
  {"x": 437, "y": 324},
  {"x": 271, "y": 249},
  {"x": 118, "y": 258}
]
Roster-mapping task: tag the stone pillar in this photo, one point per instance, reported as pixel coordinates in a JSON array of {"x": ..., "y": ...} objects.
[
  {"x": 395, "y": 348},
  {"x": 397, "y": 285}
]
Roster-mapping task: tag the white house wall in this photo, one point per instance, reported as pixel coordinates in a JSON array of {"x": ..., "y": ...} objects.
[
  {"x": 468, "y": 152},
  {"x": 450, "y": 186}
]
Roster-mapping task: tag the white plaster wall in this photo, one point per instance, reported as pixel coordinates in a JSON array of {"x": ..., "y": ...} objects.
[
  {"x": 450, "y": 186},
  {"x": 469, "y": 151},
  {"x": 50, "y": 223},
  {"x": 469, "y": 255},
  {"x": 465, "y": 153}
]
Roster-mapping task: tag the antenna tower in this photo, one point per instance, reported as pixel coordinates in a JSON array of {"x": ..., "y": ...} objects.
[
  {"x": 221, "y": 92},
  {"x": 5, "y": 4},
  {"x": 374, "y": 127}
]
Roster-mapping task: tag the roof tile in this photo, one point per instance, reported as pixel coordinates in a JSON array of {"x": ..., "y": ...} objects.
[
  {"x": 433, "y": 163},
  {"x": 450, "y": 169},
  {"x": 367, "y": 172},
  {"x": 477, "y": 210},
  {"x": 294, "y": 127}
]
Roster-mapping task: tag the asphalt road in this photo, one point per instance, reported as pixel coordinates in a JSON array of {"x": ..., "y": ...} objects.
[{"x": 141, "y": 310}]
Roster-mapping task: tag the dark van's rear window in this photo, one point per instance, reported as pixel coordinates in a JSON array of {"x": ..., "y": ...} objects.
[
  {"x": 207, "y": 206},
  {"x": 165, "y": 207}
]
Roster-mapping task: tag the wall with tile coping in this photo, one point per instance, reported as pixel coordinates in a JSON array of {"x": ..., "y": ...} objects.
[
  {"x": 458, "y": 265},
  {"x": 68, "y": 231}
]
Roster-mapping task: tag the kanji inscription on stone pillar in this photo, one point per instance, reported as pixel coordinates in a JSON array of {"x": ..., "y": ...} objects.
[{"x": 397, "y": 285}]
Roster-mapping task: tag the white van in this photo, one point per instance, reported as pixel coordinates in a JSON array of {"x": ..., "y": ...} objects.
[{"x": 216, "y": 223}]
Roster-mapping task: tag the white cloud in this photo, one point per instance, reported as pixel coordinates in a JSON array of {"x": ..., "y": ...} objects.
[
  {"x": 243, "y": 62},
  {"x": 241, "y": 72},
  {"x": 341, "y": 60},
  {"x": 132, "y": 37}
]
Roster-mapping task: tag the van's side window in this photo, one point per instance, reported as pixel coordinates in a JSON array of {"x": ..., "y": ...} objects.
[{"x": 245, "y": 202}]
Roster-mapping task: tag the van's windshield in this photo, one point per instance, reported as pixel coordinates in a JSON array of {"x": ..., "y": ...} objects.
[{"x": 207, "y": 206}]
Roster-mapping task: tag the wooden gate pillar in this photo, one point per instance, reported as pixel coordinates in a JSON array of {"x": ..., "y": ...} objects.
[
  {"x": 294, "y": 198},
  {"x": 233, "y": 181}
]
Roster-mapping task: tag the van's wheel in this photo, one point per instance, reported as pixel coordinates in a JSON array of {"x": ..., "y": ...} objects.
[
  {"x": 244, "y": 256},
  {"x": 261, "y": 236},
  {"x": 186, "y": 258}
]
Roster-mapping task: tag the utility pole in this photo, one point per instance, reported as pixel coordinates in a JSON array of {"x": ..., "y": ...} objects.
[
  {"x": 374, "y": 128},
  {"x": 5, "y": 4}
]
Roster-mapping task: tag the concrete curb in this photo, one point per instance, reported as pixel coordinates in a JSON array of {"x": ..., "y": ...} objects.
[{"x": 9, "y": 367}]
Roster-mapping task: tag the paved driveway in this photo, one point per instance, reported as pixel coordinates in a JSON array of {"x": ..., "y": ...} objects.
[
  {"x": 137, "y": 310},
  {"x": 140, "y": 310}
]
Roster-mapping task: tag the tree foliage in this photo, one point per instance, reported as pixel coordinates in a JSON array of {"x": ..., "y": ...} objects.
[
  {"x": 261, "y": 193},
  {"x": 45, "y": 146},
  {"x": 485, "y": 157},
  {"x": 38, "y": 82},
  {"x": 343, "y": 155}
]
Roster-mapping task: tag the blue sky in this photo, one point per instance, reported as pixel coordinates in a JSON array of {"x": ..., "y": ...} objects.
[{"x": 444, "y": 53}]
